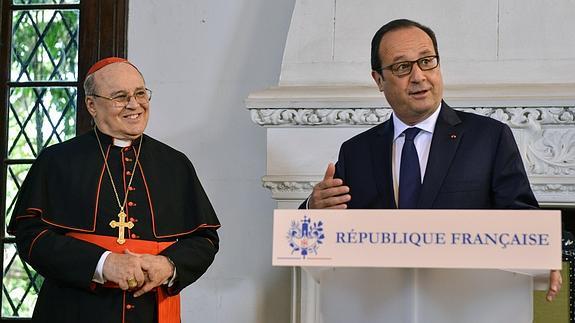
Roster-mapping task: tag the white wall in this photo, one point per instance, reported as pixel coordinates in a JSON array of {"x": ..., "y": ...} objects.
[
  {"x": 480, "y": 42},
  {"x": 202, "y": 58}
]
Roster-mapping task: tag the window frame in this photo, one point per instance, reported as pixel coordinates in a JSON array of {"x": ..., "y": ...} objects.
[{"x": 103, "y": 32}]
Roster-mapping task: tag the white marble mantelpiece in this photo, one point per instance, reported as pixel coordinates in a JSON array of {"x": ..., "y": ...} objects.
[
  {"x": 325, "y": 96},
  {"x": 542, "y": 118}
]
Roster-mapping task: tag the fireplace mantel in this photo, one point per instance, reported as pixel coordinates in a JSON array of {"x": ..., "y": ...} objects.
[
  {"x": 325, "y": 96},
  {"x": 542, "y": 117}
]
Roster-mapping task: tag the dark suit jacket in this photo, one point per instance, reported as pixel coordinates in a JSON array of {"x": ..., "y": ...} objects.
[{"x": 474, "y": 163}]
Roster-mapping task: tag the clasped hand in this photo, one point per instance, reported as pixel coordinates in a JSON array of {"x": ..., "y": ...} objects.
[{"x": 149, "y": 271}]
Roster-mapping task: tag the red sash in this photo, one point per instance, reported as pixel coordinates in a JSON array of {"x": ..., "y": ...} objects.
[{"x": 168, "y": 306}]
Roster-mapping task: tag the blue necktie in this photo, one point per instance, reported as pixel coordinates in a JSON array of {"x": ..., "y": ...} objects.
[{"x": 409, "y": 172}]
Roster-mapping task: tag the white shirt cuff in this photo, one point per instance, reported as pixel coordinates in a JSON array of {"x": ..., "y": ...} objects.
[
  {"x": 173, "y": 279},
  {"x": 99, "y": 273},
  {"x": 170, "y": 281}
]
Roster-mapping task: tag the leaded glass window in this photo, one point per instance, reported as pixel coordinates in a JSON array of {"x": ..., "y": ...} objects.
[
  {"x": 43, "y": 58},
  {"x": 41, "y": 111}
]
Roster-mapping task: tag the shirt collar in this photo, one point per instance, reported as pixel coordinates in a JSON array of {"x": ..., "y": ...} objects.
[
  {"x": 109, "y": 140},
  {"x": 427, "y": 125},
  {"x": 122, "y": 143}
]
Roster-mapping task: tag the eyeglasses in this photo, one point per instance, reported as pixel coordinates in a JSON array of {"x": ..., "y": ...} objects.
[
  {"x": 121, "y": 101},
  {"x": 404, "y": 68}
]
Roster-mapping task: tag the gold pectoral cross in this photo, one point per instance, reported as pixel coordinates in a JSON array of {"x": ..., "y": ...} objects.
[{"x": 121, "y": 225}]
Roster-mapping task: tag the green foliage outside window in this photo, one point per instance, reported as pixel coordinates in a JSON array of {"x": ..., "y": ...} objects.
[{"x": 44, "y": 50}]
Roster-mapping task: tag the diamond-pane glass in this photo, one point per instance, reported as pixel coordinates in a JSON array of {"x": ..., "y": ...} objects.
[
  {"x": 20, "y": 286},
  {"x": 39, "y": 117},
  {"x": 44, "y": 45},
  {"x": 15, "y": 177}
]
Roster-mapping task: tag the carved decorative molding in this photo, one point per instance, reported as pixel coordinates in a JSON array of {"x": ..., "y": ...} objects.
[
  {"x": 289, "y": 190},
  {"x": 289, "y": 187},
  {"x": 532, "y": 116},
  {"x": 319, "y": 117},
  {"x": 553, "y": 188},
  {"x": 554, "y": 193},
  {"x": 278, "y": 187},
  {"x": 515, "y": 117},
  {"x": 552, "y": 153}
]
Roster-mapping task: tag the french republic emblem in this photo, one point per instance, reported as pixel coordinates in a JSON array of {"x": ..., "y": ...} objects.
[{"x": 305, "y": 236}]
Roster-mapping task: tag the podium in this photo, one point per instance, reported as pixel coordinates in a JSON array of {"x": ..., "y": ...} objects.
[{"x": 351, "y": 273}]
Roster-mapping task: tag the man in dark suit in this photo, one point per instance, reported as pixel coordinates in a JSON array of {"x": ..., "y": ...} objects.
[{"x": 427, "y": 155}]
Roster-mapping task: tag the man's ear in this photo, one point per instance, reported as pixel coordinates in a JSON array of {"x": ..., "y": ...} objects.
[
  {"x": 90, "y": 106},
  {"x": 378, "y": 78}
]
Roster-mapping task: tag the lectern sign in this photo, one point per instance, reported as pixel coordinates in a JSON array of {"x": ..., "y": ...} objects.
[{"x": 526, "y": 239}]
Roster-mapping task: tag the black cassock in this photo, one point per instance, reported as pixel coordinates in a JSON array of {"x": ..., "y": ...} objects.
[{"x": 68, "y": 190}]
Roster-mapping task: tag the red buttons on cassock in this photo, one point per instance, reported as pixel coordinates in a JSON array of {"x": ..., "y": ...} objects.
[
  {"x": 134, "y": 236},
  {"x": 129, "y": 306},
  {"x": 131, "y": 188},
  {"x": 128, "y": 173},
  {"x": 128, "y": 159},
  {"x": 131, "y": 203}
]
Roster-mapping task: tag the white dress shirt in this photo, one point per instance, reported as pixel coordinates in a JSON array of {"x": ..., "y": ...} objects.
[{"x": 422, "y": 144}]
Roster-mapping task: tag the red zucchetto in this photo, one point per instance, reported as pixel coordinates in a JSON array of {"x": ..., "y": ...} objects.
[{"x": 107, "y": 61}]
